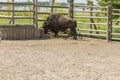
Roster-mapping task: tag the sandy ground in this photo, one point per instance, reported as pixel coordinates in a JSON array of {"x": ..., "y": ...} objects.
[{"x": 59, "y": 59}]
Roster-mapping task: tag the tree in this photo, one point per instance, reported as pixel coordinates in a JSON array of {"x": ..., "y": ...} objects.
[
  {"x": 115, "y": 4},
  {"x": 89, "y": 2}
]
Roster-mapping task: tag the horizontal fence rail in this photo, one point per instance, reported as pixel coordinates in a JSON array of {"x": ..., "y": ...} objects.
[
  {"x": 17, "y": 10},
  {"x": 52, "y": 6},
  {"x": 91, "y": 11},
  {"x": 90, "y": 17},
  {"x": 17, "y": 3},
  {"x": 88, "y": 6},
  {"x": 92, "y": 23}
]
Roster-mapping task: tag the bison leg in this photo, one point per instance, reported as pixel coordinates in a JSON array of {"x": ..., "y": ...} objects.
[
  {"x": 56, "y": 34},
  {"x": 74, "y": 33}
]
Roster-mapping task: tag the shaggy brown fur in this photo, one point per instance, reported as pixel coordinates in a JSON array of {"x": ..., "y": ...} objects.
[{"x": 56, "y": 22}]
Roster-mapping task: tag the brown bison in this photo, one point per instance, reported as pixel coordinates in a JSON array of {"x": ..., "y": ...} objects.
[{"x": 56, "y": 22}]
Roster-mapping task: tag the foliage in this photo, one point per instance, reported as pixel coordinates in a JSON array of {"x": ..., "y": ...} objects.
[{"x": 115, "y": 3}]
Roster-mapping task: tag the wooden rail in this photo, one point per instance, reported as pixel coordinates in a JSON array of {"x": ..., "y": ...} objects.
[
  {"x": 89, "y": 34},
  {"x": 88, "y": 6},
  {"x": 52, "y": 6},
  {"x": 104, "y": 24},
  {"x": 16, "y": 11},
  {"x": 115, "y": 26},
  {"x": 16, "y": 3},
  {"x": 92, "y": 30},
  {"x": 90, "y": 17},
  {"x": 116, "y": 14},
  {"x": 91, "y": 11}
]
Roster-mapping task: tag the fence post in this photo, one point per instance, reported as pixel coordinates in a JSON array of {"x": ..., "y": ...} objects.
[
  {"x": 13, "y": 12},
  {"x": 52, "y": 5},
  {"x": 109, "y": 22},
  {"x": 35, "y": 14},
  {"x": 71, "y": 7},
  {"x": 91, "y": 14}
]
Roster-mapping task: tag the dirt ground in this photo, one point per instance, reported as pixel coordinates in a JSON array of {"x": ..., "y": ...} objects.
[{"x": 59, "y": 59}]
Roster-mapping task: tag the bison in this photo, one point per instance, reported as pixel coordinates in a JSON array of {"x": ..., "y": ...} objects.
[{"x": 56, "y": 22}]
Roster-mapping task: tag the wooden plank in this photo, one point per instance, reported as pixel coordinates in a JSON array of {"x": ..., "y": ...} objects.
[
  {"x": 33, "y": 7},
  {"x": 16, "y": 10},
  {"x": 16, "y": 17},
  {"x": 2, "y": 34},
  {"x": 115, "y": 39},
  {"x": 12, "y": 21},
  {"x": 115, "y": 26},
  {"x": 92, "y": 23},
  {"x": 63, "y": 13},
  {"x": 43, "y": 12},
  {"x": 88, "y": 34},
  {"x": 41, "y": 33},
  {"x": 52, "y": 6},
  {"x": 5, "y": 34},
  {"x": 17, "y": 27},
  {"x": 13, "y": 34},
  {"x": 92, "y": 30},
  {"x": 60, "y": 7},
  {"x": 37, "y": 33},
  {"x": 36, "y": 15},
  {"x": 23, "y": 17},
  {"x": 70, "y": 9},
  {"x": 99, "y": 7},
  {"x": 41, "y": 20},
  {"x": 117, "y": 34},
  {"x": 118, "y": 14},
  {"x": 19, "y": 34},
  {"x": 5, "y": 17},
  {"x": 29, "y": 33},
  {"x": 109, "y": 21},
  {"x": 20, "y": 3},
  {"x": 116, "y": 9},
  {"x": 90, "y": 17},
  {"x": 91, "y": 11},
  {"x": 10, "y": 34}
]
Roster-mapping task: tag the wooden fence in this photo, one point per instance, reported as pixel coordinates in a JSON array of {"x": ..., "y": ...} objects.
[
  {"x": 115, "y": 25},
  {"x": 93, "y": 28},
  {"x": 34, "y": 11},
  {"x": 94, "y": 12},
  {"x": 21, "y": 34}
]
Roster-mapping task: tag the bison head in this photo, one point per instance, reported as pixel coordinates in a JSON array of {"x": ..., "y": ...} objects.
[{"x": 45, "y": 27}]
